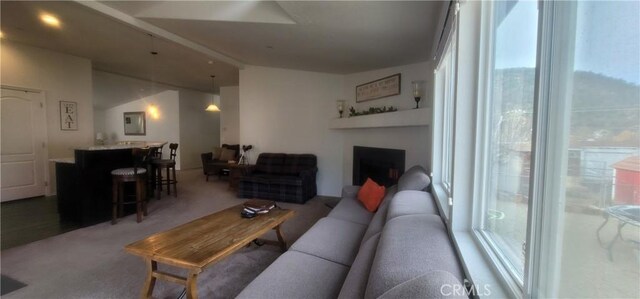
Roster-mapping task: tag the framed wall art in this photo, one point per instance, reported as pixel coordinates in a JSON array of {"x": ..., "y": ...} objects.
[
  {"x": 135, "y": 123},
  {"x": 68, "y": 116},
  {"x": 381, "y": 88}
]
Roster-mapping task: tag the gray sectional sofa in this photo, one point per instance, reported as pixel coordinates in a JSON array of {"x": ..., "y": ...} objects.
[{"x": 401, "y": 251}]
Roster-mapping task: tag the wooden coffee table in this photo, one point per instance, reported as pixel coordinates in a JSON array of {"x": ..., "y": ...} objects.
[{"x": 202, "y": 242}]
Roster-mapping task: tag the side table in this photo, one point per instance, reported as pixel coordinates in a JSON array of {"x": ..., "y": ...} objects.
[{"x": 236, "y": 171}]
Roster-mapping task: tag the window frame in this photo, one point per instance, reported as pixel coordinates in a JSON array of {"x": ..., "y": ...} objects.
[
  {"x": 449, "y": 119},
  {"x": 508, "y": 274},
  {"x": 445, "y": 85},
  {"x": 549, "y": 156},
  {"x": 550, "y": 152}
]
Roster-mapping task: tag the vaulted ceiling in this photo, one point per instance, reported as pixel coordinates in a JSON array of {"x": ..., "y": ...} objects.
[{"x": 198, "y": 38}]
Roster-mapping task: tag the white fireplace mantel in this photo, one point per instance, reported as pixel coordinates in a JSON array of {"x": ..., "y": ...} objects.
[{"x": 403, "y": 118}]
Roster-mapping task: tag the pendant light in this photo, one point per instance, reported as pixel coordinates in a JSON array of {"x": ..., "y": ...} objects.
[
  {"x": 152, "y": 110},
  {"x": 212, "y": 107},
  {"x": 152, "y": 68}
]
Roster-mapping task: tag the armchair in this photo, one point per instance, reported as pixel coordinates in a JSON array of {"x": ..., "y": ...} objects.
[{"x": 213, "y": 166}]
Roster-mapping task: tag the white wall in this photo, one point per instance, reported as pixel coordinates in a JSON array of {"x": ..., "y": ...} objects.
[
  {"x": 165, "y": 128},
  {"x": 288, "y": 111},
  {"x": 416, "y": 141},
  {"x": 199, "y": 129},
  {"x": 61, "y": 77},
  {"x": 230, "y": 115},
  {"x": 110, "y": 90},
  {"x": 99, "y": 122}
]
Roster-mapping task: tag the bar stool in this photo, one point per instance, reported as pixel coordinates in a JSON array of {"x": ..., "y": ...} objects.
[
  {"x": 155, "y": 153},
  {"x": 170, "y": 166},
  {"x": 136, "y": 174}
]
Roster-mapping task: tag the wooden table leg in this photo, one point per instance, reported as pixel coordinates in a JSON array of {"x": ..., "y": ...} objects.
[
  {"x": 283, "y": 243},
  {"x": 192, "y": 289},
  {"x": 150, "y": 282}
]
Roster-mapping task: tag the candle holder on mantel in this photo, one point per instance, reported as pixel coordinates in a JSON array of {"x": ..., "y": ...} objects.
[
  {"x": 340, "y": 106},
  {"x": 418, "y": 91}
]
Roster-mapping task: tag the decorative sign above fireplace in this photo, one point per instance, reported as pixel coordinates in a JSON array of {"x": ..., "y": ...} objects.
[{"x": 381, "y": 88}]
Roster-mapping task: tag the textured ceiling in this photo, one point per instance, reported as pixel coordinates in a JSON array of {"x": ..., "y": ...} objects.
[
  {"x": 328, "y": 36},
  {"x": 110, "y": 45}
]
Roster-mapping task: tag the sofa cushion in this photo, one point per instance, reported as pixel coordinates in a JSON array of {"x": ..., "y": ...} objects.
[
  {"x": 370, "y": 195},
  {"x": 356, "y": 282},
  {"x": 270, "y": 163},
  {"x": 332, "y": 239},
  {"x": 416, "y": 178},
  {"x": 409, "y": 247},
  {"x": 295, "y": 163},
  {"x": 350, "y": 209},
  {"x": 377, "y": 222},
  {"x": 436, "y": 284},
  {"x": 297, "y": 275},
  {"x": 411, "y": 203}
]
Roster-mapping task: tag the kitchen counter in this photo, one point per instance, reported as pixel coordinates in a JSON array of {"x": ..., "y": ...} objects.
[
  {"x": 124, "y": 145},
  {"x": 70, "y": 160},
  {"x": 85, "y": 186}
]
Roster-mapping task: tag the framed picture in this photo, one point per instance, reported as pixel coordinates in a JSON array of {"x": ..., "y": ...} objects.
[
  {"x": 381, "y": 88},
  {"x": 68, "y": 116},
  {"x": 135, "y": 123}
]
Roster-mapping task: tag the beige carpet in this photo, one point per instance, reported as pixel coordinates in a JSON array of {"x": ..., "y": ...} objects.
[{"x": 91, "y": 263}]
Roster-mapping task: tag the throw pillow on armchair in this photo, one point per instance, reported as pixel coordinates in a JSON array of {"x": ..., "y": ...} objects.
[
  {"x": 227, "y": 154},
  {"x": 213, "y": 162}
]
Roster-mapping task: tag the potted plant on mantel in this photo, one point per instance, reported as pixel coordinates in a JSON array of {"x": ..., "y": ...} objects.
[{"x": 371, "y": 110}]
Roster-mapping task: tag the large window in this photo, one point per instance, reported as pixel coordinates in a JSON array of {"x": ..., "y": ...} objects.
[
  {"x": 598, "y": 228},
  {"x": 508, "y": 131},
  {"x": 556, "y": 202}
]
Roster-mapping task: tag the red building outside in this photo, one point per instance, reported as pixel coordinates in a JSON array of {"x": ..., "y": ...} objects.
[{"x": 627, "y": 186}]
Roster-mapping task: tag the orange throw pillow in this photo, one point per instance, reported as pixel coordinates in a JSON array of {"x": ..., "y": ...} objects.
[{"x": 371, "y": 195}]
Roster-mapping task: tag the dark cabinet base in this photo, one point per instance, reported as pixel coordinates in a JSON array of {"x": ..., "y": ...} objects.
[{"x": 84, "y": 188}]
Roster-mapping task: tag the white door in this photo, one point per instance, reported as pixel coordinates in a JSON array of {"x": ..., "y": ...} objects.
[{"x": 22, "y": 129}]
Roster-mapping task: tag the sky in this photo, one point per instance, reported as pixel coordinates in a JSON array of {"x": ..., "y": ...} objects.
[{"x": 607, "y": 38}]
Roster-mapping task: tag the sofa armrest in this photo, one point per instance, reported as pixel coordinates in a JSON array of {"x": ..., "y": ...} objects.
[{"x": 350, "y": 191}]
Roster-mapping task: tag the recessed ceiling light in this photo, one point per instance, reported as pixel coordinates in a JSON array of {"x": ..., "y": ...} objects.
[
  {"x": 210, "y": 62},
  {"x": 50, "y": 20}
]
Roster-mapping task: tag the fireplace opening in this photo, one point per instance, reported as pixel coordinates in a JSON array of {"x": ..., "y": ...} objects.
[{"x": 382, "y": 165}]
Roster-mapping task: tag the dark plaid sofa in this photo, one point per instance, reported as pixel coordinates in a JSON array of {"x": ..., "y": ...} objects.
[{"x": 281, "y": 177}]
